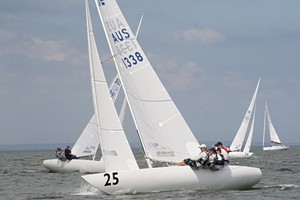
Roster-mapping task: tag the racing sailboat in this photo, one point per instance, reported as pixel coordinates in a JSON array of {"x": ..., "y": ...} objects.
[
  {"x": 237, "y": 143},
  {"x": 275, "y": 141},
  {"x": 164, "y": 134}
]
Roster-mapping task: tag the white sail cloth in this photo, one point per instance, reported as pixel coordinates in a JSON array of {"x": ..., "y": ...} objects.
[
  {"x": 238, "y": 140},
  {"x": 116, "y": 151},
  {"x": 156, "y": 117}
]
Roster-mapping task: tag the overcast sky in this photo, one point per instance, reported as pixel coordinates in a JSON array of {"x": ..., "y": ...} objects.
[{"x": 208, "y": 54}]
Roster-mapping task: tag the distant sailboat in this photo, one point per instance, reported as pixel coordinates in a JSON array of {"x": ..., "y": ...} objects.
[
  {"x": 164, "y": 134},
  {"x": 275, "y": 141},
  {"x": 237, "y": 143},
  {"x": 87, "y": 144}
]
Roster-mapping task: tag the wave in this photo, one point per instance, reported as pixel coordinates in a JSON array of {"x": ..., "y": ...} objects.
[{"x": 282, "y": 187}]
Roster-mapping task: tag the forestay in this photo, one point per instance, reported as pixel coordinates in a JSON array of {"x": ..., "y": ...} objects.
[
  {"x": 116, "y": 151},
  {"x": 237, "y": 142},
  {"x": 155, "y": 115}
]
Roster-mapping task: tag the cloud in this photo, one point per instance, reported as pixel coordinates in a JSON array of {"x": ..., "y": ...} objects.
[
  {"x": 36, "y": 49},
  {"x": 201, "y": 36},
  {"x": 234, "y": 80},
  {"x": 180, "y": 76},
  {"x": 47, "y": 50}
]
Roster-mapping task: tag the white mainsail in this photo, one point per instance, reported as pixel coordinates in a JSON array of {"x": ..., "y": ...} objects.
[
  {"x": 238, "y": 140},
  {"x": 155, "y": 115},
  {"x": 251, "y": 131},
  {"x": 116, "y": 151}
]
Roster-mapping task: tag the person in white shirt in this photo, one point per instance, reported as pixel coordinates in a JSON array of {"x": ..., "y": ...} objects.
[{"x": 198, "y": 160}]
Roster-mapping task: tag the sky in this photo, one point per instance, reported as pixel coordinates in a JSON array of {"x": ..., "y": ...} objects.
[{"x": 208, "y": 54}]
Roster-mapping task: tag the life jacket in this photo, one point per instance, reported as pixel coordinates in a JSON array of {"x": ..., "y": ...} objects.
[
  {"x": 204, "y": 161},
  {"x": 220, "y": 162},
  {"x": 226, "y": 149}
]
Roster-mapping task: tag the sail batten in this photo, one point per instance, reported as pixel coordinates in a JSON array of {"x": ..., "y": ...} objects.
[{"x": 148, "y": 100}]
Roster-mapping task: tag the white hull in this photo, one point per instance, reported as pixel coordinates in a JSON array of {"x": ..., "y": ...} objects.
[
  {"x": 85, "y": 166},
  {"x": 272, "y": 148},
  {"x": 240, "y": 154},
  {"x": 175, "y": 178}
]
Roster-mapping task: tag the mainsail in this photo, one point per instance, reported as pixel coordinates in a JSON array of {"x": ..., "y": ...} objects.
[
  {"x": 238, "y": 140},
  {"x": 155, "y": 115},
  {"x": 249, "y": 140},
  {"x": 116, "y": 151}
]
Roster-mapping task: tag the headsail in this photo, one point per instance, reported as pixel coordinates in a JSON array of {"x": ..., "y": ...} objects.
[
  {"x": 88, "y": 142},
  {"x": 249, "y": 140},
  {"x": 238, "y": 140},
  {"x": 116, "y": 150},
  {"x": 273, "y": 135},
  {"x": 155, "y": 115}
]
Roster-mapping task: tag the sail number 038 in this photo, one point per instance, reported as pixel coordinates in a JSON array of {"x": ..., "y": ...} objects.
[
  {"x": 132, "y": 59},
  {"x": 114, "y": 180}
]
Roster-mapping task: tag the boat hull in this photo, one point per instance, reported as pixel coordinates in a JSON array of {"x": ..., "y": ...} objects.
[
  {"x": 76, "y": 165},
  {"x": 174, "y": 178},
  {"x": 273, "y": 148},
  {"x": 240, "y": 154}
]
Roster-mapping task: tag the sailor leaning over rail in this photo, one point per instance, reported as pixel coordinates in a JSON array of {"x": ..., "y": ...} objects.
[{"x": 197, "y": 161}]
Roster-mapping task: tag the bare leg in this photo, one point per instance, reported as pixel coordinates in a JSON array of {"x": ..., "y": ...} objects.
[{"x": 181, "y": 163}]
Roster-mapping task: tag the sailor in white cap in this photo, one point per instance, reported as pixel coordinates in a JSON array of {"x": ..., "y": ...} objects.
[{"x": 198, "y": 160}]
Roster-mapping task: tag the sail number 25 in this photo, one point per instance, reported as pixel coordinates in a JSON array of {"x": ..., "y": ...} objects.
[
  {"x": 113, "y": 181},
  {"x": 132, "y": 60}
]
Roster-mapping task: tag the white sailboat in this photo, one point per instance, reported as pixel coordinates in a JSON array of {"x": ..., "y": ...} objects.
[
  {"x": 116, "y": 152},
  {"x": 275, "y": 141},
  {"x": 237, "y": 143},
  {"x": 163, "y": 131},
  {"x": 87, "y": 144}
]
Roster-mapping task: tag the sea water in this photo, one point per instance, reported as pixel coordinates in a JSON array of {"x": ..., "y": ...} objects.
[{"x": 22, "y": 176}]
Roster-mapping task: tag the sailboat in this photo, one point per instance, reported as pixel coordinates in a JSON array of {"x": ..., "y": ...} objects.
[
  {"x": 275, "y": 141},
  {"x": 237, "y": 143},
  {"x": 163, "y": 132},
  {"x": 87, "y": 144}
]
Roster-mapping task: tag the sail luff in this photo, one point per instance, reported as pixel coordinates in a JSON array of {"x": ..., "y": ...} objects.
[
  {"x": 97, "y": 2},
  {"x": 91, "y": 62},
  {"x": 155, "y": 115},
  {"x": 116, "y": 151},
  {"x": 238, "y": 140}
]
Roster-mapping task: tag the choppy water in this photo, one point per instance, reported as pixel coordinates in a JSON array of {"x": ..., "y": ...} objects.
[{"x": 22, "y": 176}]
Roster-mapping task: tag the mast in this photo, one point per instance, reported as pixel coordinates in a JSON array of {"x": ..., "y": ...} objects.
[{"x": 125, "y": 92}]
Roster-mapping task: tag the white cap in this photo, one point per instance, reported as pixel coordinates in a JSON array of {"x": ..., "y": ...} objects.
[{"x": 202, "y": 145}]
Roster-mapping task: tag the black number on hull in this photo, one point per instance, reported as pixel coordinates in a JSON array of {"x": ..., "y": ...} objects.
[{"x": 115, "y": 179}]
